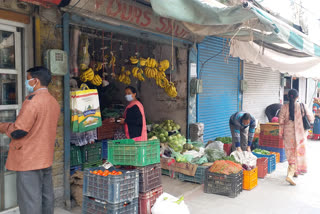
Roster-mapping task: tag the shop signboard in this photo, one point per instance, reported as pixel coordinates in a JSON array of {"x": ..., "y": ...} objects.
[{"x": 130, "y": 12}]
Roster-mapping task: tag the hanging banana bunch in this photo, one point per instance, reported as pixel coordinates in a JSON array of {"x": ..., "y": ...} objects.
[
  {"x": 98, "y": 66},
  {"x": 112, "y": 62},
  {"x": 138, "y": 73},
  {"x": 87, "y": 75},
  {"x": 164, "y": 65},
  {"x": 124, "y": 77},
  {"x": 96, "y": 80},
  {"x": 151, "y": 72},
  {"x": 134, "y": 60},
  {"x": 171, "y": 90}
]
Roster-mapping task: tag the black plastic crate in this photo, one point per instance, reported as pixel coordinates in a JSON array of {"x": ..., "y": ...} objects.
[
  {"x": 96, "y": 206},
  {"x": 199, "y": 177},
  {"x": 228, "y": 185},
  {"x": 149, "y": 177},
  {"x": 113, "y": 188},
  {"x": 92, "y": 152}
]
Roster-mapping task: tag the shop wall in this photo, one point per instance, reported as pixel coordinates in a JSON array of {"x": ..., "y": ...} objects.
[{"x": 51, "y": 38}]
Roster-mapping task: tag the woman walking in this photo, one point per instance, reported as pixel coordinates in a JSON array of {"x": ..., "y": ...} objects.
[{"x": 294, "y": 135}]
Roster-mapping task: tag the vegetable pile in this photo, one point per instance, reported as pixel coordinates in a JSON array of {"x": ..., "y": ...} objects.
[
  {"x": 225, "y": 167},
  {"x": 225, "y": 140},
  {"x": 261, "y": 152},
  {"x": 105, "y": 173}
]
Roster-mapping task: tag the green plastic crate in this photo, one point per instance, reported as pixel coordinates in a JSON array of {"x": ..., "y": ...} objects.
[
  {"x": 130, "y": 153},
  {"x": 75, "y": 156},
  {"x": 91, "y": 152}
]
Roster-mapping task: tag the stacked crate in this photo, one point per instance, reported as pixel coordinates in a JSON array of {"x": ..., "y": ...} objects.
[
  {"x": 145, "y": 158},
  {"x": 271, "y": 140},
  {"x": 75, "y": 159},
  {"x": 110, "y": 194},
  {"x": 92, "y": 155}
]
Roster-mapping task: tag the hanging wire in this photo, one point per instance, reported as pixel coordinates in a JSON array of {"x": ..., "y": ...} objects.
[{"x": 172, "y": 67}]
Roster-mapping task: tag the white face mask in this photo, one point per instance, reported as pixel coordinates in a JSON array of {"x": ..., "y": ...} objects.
[{"x": 129, "y": 97}]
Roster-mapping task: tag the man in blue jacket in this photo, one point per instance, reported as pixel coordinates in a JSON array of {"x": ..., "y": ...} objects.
[{"x": 242, "y": 136}]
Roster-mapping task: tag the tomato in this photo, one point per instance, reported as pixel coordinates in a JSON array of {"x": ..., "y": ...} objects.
[
  {"x": 94, "y": 172},
  {"x": 119, "y": 173},
  {"x": 105, "y": 174},
  {"x": 114, "y": 171},
  {"x": 100, "y": 171}
]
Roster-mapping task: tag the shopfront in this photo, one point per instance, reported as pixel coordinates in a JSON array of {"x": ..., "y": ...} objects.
[{"x": 123, "y": 30}]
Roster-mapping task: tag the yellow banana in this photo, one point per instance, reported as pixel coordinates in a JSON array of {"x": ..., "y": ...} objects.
[{"x": 134, "y": 60}]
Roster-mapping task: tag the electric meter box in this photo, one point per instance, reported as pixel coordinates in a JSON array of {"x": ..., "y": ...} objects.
[{"x": 56, "y": 61}]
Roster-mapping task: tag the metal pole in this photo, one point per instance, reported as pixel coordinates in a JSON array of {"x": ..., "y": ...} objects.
[{"x": 66, "y": 108}]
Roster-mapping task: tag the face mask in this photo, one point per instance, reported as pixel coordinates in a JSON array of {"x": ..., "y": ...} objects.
[
  {"x": 28, "y": 87},
  {"x": 129, "y": 97}
]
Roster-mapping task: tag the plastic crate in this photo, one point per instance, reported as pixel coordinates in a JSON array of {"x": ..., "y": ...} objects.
[
  {"x": 73, "y": 169},
  {"x": 277, "y": 154},
  {"x": 91, "y": 152},
  {"x": 228, "y": 185},
  {"x": 169, "y": 173},
  {"x": 130, "y": 153},
  {"x": 147, "y": 200},
  {"x": 107, "y": 130},
  {"x": 282, "y": 152},
  {"x": 271, "y": 161},
  {"x": 105, "y": 149},
  {"x": 269, "y": 129},
  {"x": 250, "y": 179},
  {"x": 75, "y": 155},
  {"x": 262, "y": 167},
  {"x": 92, "y": 164},
  {"x": 96, "y": 206},
  {"x": 113, "y": 188},
  {"x": 149, "y": 177},
  {"x": 271, "y": 141},
  {"x": 199, "y": 177}
]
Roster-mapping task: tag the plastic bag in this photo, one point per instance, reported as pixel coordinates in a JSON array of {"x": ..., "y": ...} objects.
[
  {"x": 214, "y": 154},
  {"x": 200, "y": 160},
  {"x": 168, "y": 204},
  {"x": 218, "y": 145},
  {"x": 245, "y": 158},
  {"x": 181, "y": 158},
  {"x": 194, "y": 153}
]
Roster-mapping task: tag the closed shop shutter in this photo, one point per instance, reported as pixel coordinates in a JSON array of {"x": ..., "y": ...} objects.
[
  {"x": 220, "y": 77},
  {"x": 263, "y": 90}
]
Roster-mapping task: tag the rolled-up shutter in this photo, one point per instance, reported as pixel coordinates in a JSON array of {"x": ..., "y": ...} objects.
[
  {"x": 220, "y": 76},
  {"x": 263, "y": 89}
]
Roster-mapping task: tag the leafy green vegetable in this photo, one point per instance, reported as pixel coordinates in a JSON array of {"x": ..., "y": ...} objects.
[
  {"x": 261, "y": 152},
  {"x": 225, "y": 140}
]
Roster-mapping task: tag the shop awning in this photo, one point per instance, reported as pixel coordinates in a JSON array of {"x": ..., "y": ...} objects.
[
  {"x": 299, "y": 66},
  {"x": 248, "y": 25},
  {"x": 246, "y": 22}
]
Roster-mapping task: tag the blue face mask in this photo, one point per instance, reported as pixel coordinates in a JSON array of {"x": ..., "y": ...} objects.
[
  {"x": 29, "y": 88},
  {"x": 129, "y": 97}
]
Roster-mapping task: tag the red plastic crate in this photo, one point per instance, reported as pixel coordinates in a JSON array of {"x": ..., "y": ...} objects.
[
  {"x": 107, "y": 130},
  {"x": 262, "y": 166},
  {"x": 271, "y": 141},
  {"x": 147, "y": 200}
]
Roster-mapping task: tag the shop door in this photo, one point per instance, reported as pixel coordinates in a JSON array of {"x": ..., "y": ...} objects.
[
  {"x": 263, "y": 90},
  {"x": 220, "y": 97},
  {"x": 10, "y": 102}
]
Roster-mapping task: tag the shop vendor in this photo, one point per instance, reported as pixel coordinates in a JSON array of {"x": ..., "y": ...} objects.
[
  {"x": 242, "y": 126},
  {"x": 134, "y": 120}
]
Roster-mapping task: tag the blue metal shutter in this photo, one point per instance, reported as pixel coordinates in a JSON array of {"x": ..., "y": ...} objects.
[{"x": 220, "y": 76}]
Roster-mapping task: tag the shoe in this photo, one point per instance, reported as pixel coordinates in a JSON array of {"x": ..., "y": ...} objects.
[
  {"x": 295, "y": 175},
  {"x": 290, "y": 174}
]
